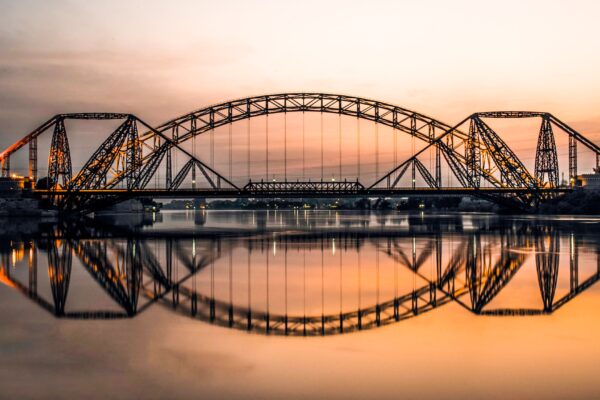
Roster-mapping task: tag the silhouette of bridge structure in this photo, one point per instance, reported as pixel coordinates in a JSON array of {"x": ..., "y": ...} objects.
[
  {"x": 139, "y": 272},
  {"x": 138, "y": 160}
]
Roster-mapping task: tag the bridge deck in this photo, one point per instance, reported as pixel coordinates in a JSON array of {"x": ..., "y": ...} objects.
[{"x": 293, "y": 193}]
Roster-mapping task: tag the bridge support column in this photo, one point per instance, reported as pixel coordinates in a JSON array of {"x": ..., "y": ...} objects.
[
  {"x": 33, "y": 164},
  {"x": 572, "y": 160},
  {"x": 438, "y": 167},
  {"x": 169, "y": 172}
]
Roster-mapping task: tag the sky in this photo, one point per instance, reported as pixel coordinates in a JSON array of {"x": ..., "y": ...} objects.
[{"x": 161, "y": 59}]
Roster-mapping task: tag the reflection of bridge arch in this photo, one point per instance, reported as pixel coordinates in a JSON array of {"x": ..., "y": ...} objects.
[
  {"x": 222, "y": 313},
  {"x": 467, "y": 269},
  {"x": 486, "y": 282}
]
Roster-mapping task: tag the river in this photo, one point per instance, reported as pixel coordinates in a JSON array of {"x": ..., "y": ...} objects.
[{"x": 300, "y": 304}]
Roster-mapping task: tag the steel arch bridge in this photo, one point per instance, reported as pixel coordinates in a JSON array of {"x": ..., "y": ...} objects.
[{"x": 123, "y": 166}]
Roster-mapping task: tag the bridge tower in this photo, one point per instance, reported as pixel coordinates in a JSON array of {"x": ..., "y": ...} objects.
[
  {"x": 546, "y": 159},
  {"x": 473, "y": 155},
  {"x": 60, "y": 260},
  {"x": 134, "y": 154},
  {"x": 59, "y": 162}
]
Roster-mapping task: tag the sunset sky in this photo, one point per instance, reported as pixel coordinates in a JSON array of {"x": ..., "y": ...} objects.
[{"x": 159, "y": 60}]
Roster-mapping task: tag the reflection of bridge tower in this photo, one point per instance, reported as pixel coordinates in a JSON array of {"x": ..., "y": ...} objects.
[
  {"x": 493, "y": 277},
  {"x": 476, "y": 265},
  {"x": 59, "y": 271},
  {"x": 547, "y": 254},
  {"x": 121, "y": 281},
  {"x": 133, "y": 273},
  {"x": 484, "y": 278},
  {"x": 475, "y": 262}
]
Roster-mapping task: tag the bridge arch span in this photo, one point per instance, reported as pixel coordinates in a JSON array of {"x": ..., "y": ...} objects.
[
  {"x": 204, "y": 119},
  {"x": 417, "y": 125}
]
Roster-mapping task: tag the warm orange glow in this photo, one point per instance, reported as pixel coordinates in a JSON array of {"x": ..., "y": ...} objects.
[
  {"x": 442, "y": 69},
  {"x": 5, "y": 279}
]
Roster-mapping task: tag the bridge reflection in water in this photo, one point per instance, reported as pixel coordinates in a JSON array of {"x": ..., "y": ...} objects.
[{"x": 301, "y": 282}]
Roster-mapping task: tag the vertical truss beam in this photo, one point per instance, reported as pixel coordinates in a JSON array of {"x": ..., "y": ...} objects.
[
  {"x": 6, "y": 167},
  {"x": 193, "y": 127},
  {"x": 438, "y": 165},
  {"x": 473, "y": 155},
  {"x": 169, "y": 167},
  {"x": 572, "y": 160},
  {"x": 33, "y": 159},
  {"x": 134, "y": 156}
]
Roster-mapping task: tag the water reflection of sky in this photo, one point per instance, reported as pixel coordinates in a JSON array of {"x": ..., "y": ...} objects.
[{"x": 165, "y": 352}]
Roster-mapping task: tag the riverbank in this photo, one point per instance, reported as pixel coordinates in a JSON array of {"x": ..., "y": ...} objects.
[{"x": 578, "y": 202}]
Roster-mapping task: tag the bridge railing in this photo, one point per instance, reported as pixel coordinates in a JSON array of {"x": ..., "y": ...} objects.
[{"x": 304, "y": 187}]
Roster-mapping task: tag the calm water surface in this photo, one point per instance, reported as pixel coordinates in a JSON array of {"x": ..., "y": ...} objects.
[{"x": 300, "y": 304}]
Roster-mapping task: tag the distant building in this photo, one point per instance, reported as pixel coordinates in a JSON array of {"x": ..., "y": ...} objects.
[
  {"x": 589, "y": 181},
  {"x": 14, "y": 185}
]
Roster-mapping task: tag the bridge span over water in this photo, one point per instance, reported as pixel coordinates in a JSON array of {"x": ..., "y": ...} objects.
[{"x": 356, "y": 147}]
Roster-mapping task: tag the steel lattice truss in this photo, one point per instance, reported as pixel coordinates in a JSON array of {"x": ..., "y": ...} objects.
[{"x": 131, "y": 156}]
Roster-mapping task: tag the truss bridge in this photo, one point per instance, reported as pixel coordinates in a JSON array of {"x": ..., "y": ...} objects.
[{"x": 298, "y": 145}]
